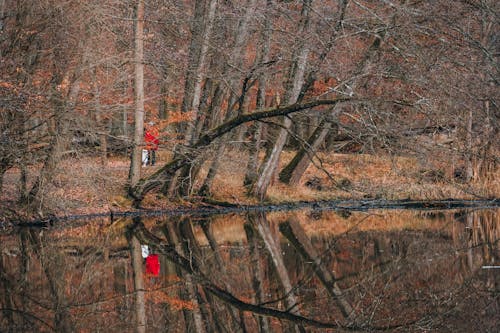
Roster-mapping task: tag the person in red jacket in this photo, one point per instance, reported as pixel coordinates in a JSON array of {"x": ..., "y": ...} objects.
[
  {"x": 152, "y": 142},
  {"x": 152, "y": 265}
]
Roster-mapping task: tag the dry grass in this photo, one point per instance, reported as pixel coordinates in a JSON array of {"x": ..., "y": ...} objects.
[
  {"x": 83, "y": 185},
  {"x": 367, "y": 176}
]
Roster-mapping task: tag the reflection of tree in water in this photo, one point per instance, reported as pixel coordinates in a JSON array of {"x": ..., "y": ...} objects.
[
  {"x": 51, "y": 285},
  {"x": 276, "y": 277}
]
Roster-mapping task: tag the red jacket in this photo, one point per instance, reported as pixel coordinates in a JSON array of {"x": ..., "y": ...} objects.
[
  {"x": 151, "y": 139},
  {"x": 152, "y": 265}
]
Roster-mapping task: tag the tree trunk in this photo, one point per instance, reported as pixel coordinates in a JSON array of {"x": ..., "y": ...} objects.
[
  {"x": 136, "y": 159},
  {"x": 23, "y": 167},
  {"x": 241, "y": 34},
  {"x": 124, "y": 120},
  {"x": 172, "y": 187},
  {"x": 253, "y": 158},
  {"x": 201, "y": 29},
  {"x": 2, "y": 173},
  {"x": 23, "y": 182},
  {"x": 292, "y": 173},
  {"x": 469, "y": 171},
  {"x": 296, "y": 79},
  {"x": 205, "y": 189},
  {"x": 103, "y": 144},
  {"x": 194, "y": 77},
  {"x": 59, "y": 139},
  {"x": 256, "y": 127},
  {"x": 201, "y": 120},
  {"x": 162, "y": 104}
]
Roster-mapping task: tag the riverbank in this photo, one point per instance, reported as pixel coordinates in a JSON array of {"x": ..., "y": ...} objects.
[
  {"x": 214, "y": 209},
  {"x": 84, "y": 186}
]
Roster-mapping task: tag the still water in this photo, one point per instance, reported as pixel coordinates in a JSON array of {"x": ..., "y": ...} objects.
[{"x": 301, "y": 271}]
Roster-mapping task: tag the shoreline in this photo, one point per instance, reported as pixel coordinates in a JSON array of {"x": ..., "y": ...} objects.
[{"x": 230, "y": 208}]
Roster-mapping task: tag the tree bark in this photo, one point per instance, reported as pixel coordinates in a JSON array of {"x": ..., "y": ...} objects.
[
  {"x": 136, "y": 159},
  {"x": 59, "y": 139},
  {"x": 162, "y": 103},
  {"x": 201, "y": 29},
  {"x": 103, "y": 144},
  {"x": 469, "y": 171}
]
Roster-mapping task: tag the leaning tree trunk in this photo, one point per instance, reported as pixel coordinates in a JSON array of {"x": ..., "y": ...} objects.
[
  {"x": 256, "y": 127},
  {"x": 201, "y": 29},
  {"x": 296, "y": 79},
  {"x": 292, "y": 173},
  {"x": 136, "y": 159},
  {"x": 295, "y": 169},
  {"x": 241, "y": 34}
]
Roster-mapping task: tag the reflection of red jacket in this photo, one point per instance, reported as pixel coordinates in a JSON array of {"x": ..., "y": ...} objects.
[
  {"x": 152, "y": 265},
  {"x": 151, "y": 138}
]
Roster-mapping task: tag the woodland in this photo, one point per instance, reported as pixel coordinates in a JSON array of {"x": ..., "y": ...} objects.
[{"x": 249, "y": 81}]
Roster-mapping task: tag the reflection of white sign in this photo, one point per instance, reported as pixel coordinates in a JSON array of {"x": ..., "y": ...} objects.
[
  {"x": 491, "y": 267},
  {"x": 144, "y": 251}
]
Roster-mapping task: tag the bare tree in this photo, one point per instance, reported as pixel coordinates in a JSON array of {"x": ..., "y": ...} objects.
[{"x": 136, "y": 159}]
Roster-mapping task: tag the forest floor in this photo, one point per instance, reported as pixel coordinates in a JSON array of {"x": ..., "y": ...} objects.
[{"x": 85, "y": 186}]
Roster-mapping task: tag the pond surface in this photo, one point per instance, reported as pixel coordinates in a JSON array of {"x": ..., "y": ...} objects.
[{"x": 301, "y": 271}]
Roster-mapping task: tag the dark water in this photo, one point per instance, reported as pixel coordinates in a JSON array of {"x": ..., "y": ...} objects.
[{"x": 306, "y": 271}]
